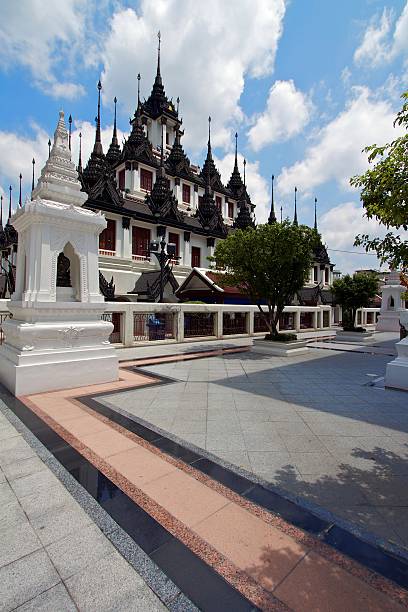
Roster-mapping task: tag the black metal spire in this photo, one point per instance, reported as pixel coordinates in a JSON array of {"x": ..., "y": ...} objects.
[
  {"x": 138, "y": 89},
  {"x": 69, "y": 131},
  {"x": 281, "y": 209},
  {"x": 1, "y": 211},
  {"x": 178, "y": 104},
  {"x": 295, "y": 219},
  {"x": 49, "y": 147},
  {"x": 9, "y": 216},
  {"x": 272, "y": 216},
  {"x": 98, "y": 142},
  {"x": 80, "y": 153},
  {"x": 20, "y": 201},
  {"x": 32, "y": 182},
  {"x": 315, "y": 216},
  {"x": 236, "y": 151},
  {"x": 113, "y": 153},
  {"x": 209, "y": 137},
  {"x": 158, "y": 75},
  {"x": 244, "y": 172}
]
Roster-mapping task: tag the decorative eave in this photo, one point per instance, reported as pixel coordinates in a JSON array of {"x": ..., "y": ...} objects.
[
  {"x": 105, "y": 189},
  {"x": 177, "y": 163},
  {"x": 137, "y": 147},
  {"x": 161, "y": 200}
]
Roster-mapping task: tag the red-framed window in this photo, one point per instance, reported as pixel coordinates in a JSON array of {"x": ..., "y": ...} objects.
[
  {"x": 195, "y": 257},
  {"x": 121, "y": 177},
  {"x": 175, "y": 239},
  {"x": 186, "y": 193},
  {"x": 231, "y": 210},
  {"x": 146, "y": 179},
  {"x": 140, "y": 241},
  {"x": 218, "y": 202},
  {"x": 107, "y": 238}
]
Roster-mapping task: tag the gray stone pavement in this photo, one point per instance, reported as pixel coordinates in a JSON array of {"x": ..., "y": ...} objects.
[
  {"x": 308, "y": 424},
  {"x": 52, "y": 555}
]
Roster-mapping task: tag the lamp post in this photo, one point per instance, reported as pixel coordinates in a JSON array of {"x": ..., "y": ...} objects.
[{"x": 163, "y": 257}]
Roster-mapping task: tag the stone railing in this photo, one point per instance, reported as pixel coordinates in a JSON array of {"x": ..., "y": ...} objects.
[
  {"x": 367, "y": 316},
  {"x": 137, "y": 323}
]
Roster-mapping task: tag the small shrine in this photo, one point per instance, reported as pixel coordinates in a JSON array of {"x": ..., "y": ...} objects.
[
  {"x": 56, "y": 338},
  {"x": 392, "y": 304}
]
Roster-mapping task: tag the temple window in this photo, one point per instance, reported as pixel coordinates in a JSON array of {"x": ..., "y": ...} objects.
[
  {"x": 218, "y": 202},
  {"x": 231, "y": 210},
  {"x": 107, "y": 239},
  {"x": 195, "y": 257},
  {"x": 146, "y": 179},
  {"x": 326, "y": 276},
  {"x": 186, "y": 193},
  {"x": 175, "y": 239},
  {"x": 140, "y": 241},
  {"x": 315, "y": 274}
]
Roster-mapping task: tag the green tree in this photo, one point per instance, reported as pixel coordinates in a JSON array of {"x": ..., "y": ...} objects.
[
  {"x": 269, "y": 264},
  {"x": 352, "y": 293},
  {"x": 384, "y": 194}
]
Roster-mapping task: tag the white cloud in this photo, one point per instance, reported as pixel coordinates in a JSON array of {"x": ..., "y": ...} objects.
[
  {"x": 48, "y": 38},
  {"x": 207, "y": 51},
  {"x": 257, "y": 185},
  {"x": 381, "y": 44},
  {"x": 286, "y": 113},
  {"x": 339, "y": 227},
  {"x": 336, "y": 152}
]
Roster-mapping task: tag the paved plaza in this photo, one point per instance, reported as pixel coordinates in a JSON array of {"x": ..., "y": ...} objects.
[{"x": 310, "y": 425}]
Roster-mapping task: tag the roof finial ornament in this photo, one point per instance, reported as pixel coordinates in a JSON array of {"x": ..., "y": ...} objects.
[
  {"x": 236, "y": 150},
  {"x": 272, "y": 216},
  {"x": 9, "y": 217},
  {"x": 1, "y": 211},
  {"x": 98, "y": 119},
  {"x": 69, "y": 131},
  {"x": 315, "y": 216},
  {"x": 244, "y": 172},
  {"x": 209, "y": 133},
  {"x": 281, "y": 210},
  {"x": 158, "y": 54},
  {"x": 80, "y": 153},
  {"x": 295, "y": 219},
  {"x": 49, "y": 147},
  {"x": 32, "y": 182},
  {"x": 20, "y": 201},
  {"x": 178, "y": 104},
  {"x": 115, "y": 134},
  {"x": 138, "y": 89}
]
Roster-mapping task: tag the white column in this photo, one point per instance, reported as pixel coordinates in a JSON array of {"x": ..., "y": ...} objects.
[
  {"x": 297, "y": 320},
  {"x": 315, "y": 319},
  {"x": 127, "y": 242},
  {"x": 187, "y": 252},
  {"x": 219, "y": 322}
]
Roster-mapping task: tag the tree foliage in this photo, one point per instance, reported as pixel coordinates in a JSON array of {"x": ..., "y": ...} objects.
[
  {"x": 354, "y": 292},
  {"x": 269, "y": 264},
  {"x": 384, "y": 194}
]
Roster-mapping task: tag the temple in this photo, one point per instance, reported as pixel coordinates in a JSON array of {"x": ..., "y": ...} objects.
[{"x": 149, "y": 191}]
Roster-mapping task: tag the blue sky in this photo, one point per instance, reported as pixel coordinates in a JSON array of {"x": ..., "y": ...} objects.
[{"x": 305, "y": 84}]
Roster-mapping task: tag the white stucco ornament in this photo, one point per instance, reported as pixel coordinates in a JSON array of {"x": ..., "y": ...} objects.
[{"x": 56, "y": 338}]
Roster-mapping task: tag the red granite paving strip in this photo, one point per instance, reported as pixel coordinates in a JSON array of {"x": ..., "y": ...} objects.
[
  {"x": 378, "y": 582},
  {"x": 359, "y": 571},
  {"x": 247, "y": 586}
]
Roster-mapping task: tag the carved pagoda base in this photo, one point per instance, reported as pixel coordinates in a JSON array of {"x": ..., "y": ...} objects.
[
  {"x": 57, "y": 345},
  {"x": 389, "y": 321}
]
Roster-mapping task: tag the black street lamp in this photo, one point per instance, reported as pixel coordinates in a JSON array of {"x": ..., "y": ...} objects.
[{"x": 163, "y": 257}]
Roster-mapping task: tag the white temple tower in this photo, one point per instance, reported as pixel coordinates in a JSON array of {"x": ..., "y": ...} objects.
[
  {"x": 56, "y": 338},
  {"x": 391, "y": 303}
]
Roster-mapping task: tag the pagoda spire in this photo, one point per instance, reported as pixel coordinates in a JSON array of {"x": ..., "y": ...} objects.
[
  {"x": 209, "y": 153},
  {"x": 80, "y": 153},
  {"x": 236, "y": 152},
  {"x": 20, "y": 201},
  {"x": 69, "y": 131},
  {"x": 9, "y": 215},
  {"x": 281, "y": 211},
  {"x": 315, "y": 214},
  {"x": 1, "y": 211},
  {"x": 98, "y": 143},
  {"x": 295, "y": 219},
  {"x": 138, "y": 89},
  {"x": 113, "y": 153},
  {"x": 158, "y": 75},
  {"x": 32, "y": 181},
  {"x": 272, "y": 216}
]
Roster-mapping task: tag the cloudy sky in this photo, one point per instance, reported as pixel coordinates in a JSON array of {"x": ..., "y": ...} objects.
[{"x": 305, "y": 84}]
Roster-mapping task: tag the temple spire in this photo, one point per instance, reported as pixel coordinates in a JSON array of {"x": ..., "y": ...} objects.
[
  {"x": 1, "y": 211},
  {"x": 295, "y": 219},
  {"x": 49, "y": 147},
  {"x": 315, "y": 214},
  {"x": 20, "y": 201},
  {"x": 9, "y": 215},
  {"x": 281, "y": 211},
  {"x": 245, "y": 172},
  {"x": 236, "y": 151},
  {"x": 69, "y": 131},
  {"x": 209, "y": 136},
  {"x": 138, "y": 89},
  {"x": 158, "y": 75},
  {"x": 80, "y": 153},
  {"x": 32, "y": 182},
  {"x": 98, "y": 142},
  {"x": 272, "y": 216}
]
